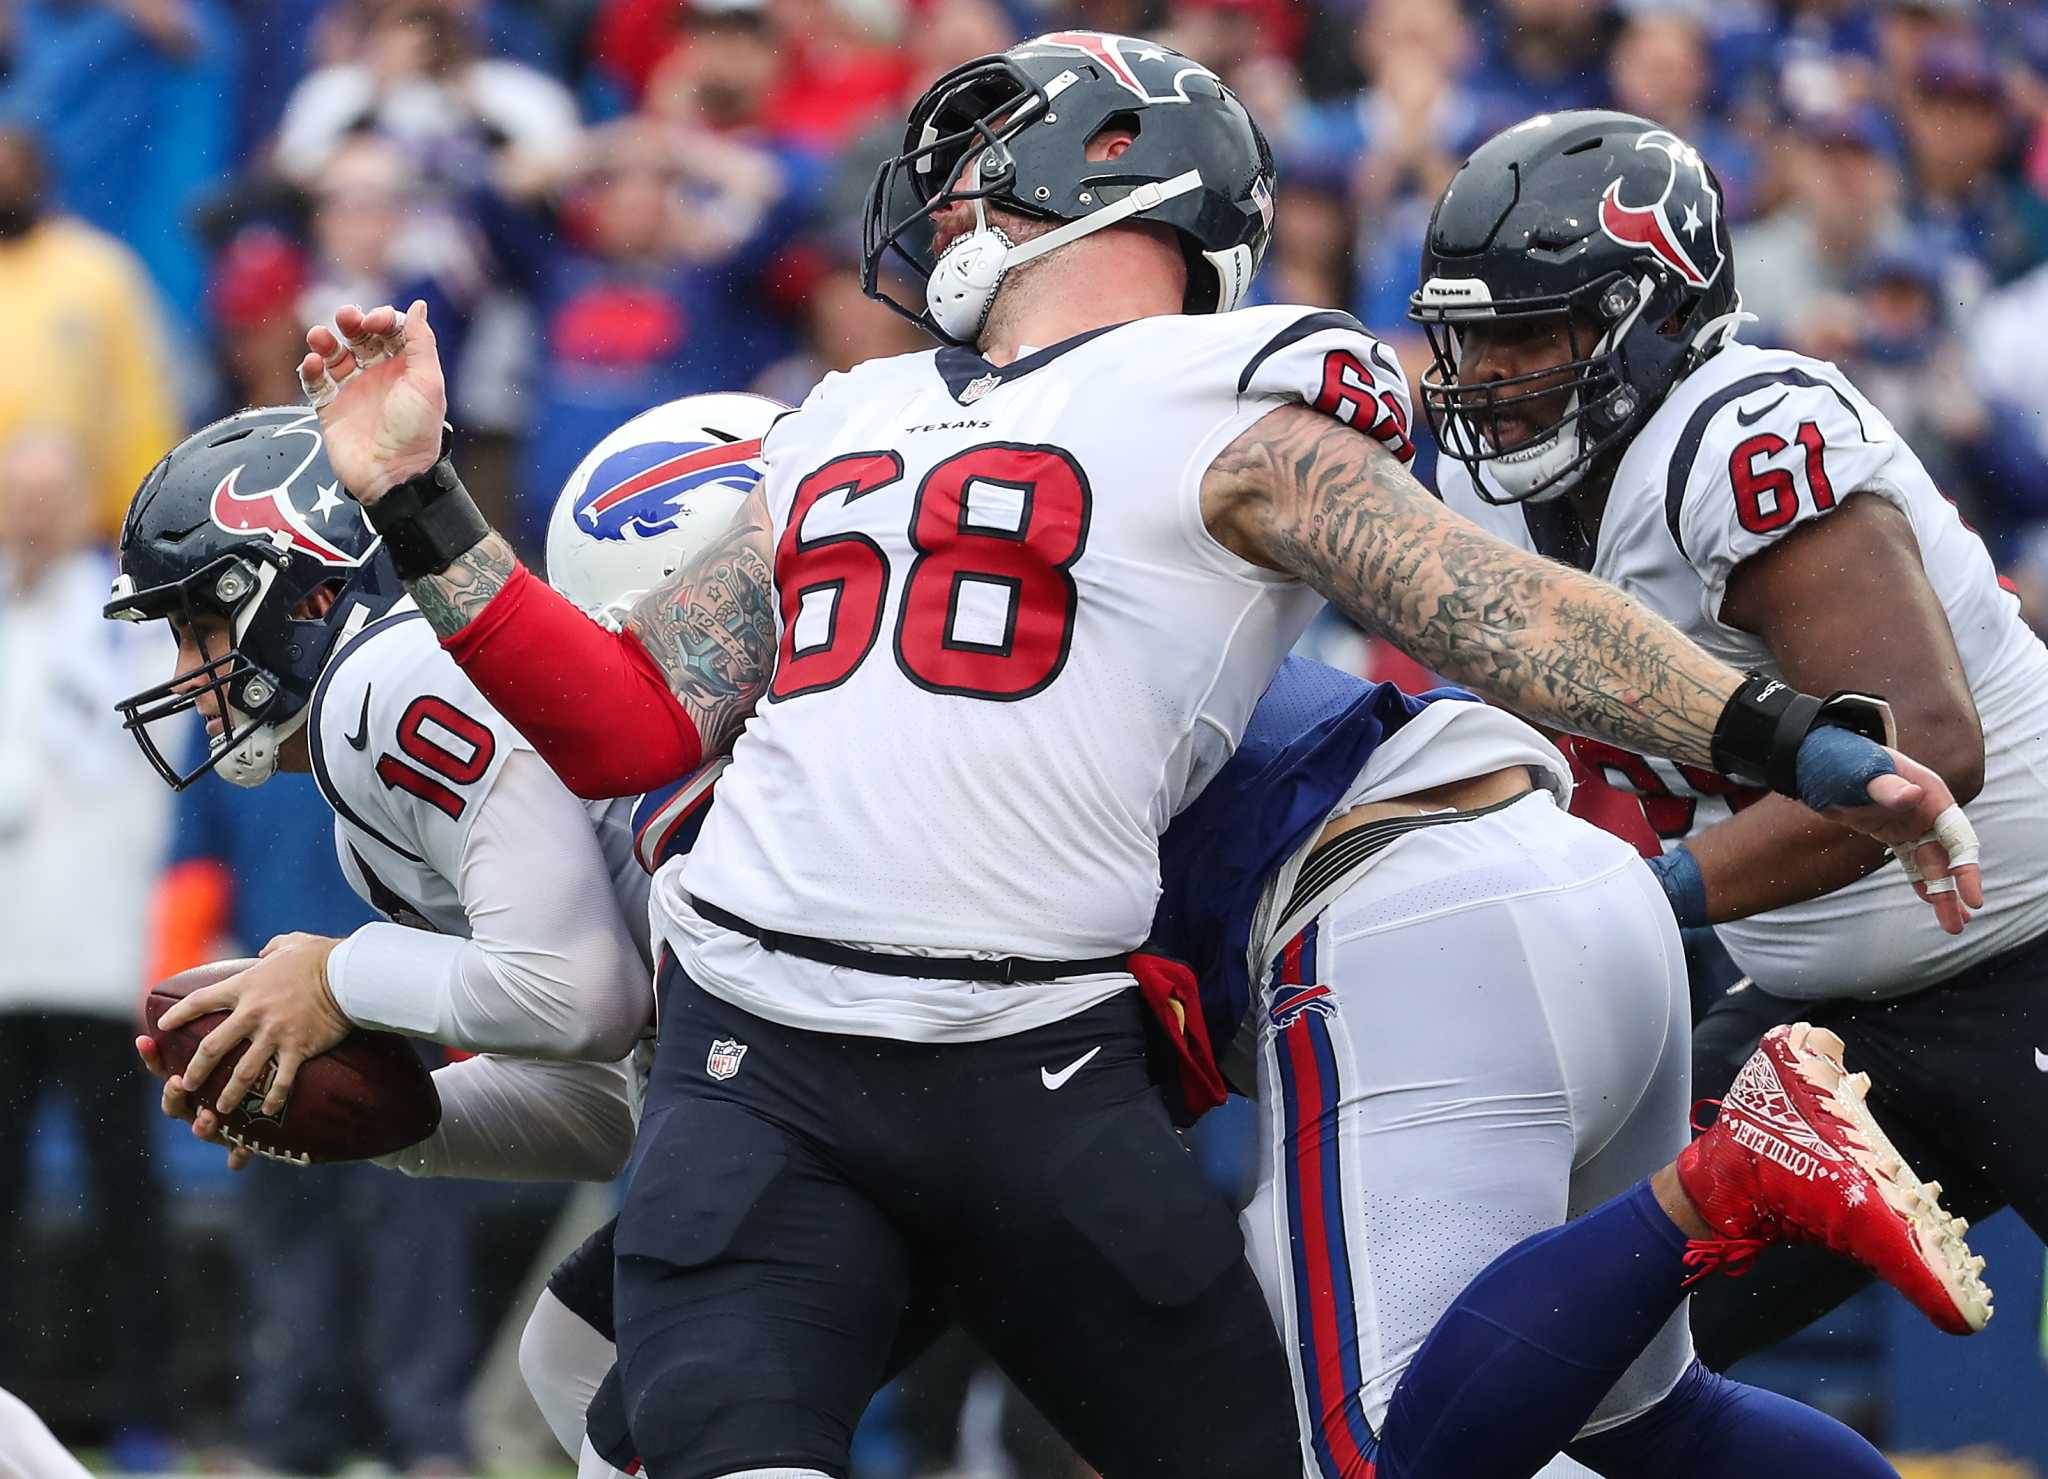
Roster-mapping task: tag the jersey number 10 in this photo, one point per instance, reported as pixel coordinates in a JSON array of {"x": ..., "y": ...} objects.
[{"x": 988, "y": 605}]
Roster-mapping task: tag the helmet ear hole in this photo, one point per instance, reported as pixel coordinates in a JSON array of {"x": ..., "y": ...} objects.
[
  {"x": 1120, "y": 130},
  {"x": 317, "y": 602}
]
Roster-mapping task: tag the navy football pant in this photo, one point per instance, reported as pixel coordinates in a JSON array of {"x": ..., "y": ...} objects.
[{"x": 781, "y": 1216}]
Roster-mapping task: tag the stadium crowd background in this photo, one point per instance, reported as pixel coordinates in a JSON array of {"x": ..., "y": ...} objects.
[{"x": 609, "y": 203}]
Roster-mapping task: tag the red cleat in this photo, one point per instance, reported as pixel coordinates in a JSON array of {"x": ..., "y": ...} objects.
[{"x": 1795, "y": 1157}]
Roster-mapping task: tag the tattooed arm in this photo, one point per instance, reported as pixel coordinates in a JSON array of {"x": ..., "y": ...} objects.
[
  {"x": 707, "y": 635},
  {"x": 1302, "y": 492},
  {"x": 711, "y": 626}
]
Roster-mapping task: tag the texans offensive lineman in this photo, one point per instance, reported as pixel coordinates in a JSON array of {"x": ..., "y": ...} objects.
[
  {"x": 1578, "y": 285},
  {"x": 998, "y": 635},
  {"x": 518, "y": 914}
]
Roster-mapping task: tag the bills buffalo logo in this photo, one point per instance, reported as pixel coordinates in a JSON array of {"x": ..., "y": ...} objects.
[
  {"x": 1292, "y": 1003},
  {"x": 271, "y": 512},
  {"x": 1688, "y": 242},
  {"x": 1120, "y": 58},
  {"x": 638, "y": 492}
]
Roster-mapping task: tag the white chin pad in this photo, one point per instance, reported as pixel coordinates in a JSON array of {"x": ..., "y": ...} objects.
[
  {"x": 963, "y": 285},
  {"x": 1530, "y": 467}
]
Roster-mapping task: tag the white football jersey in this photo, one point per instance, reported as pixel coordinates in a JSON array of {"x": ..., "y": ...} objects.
[
  {"x": 405, "y": 750},
  {"x": 1010, "y": 652},
  {"x": 1755, "y": 443}
]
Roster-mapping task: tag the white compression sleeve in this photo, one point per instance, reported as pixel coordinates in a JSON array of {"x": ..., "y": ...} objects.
[
  {"x": 563, "y": 1361},
  {"x": 550, "y": 968},
  {"x": 520, "y": 1119}
]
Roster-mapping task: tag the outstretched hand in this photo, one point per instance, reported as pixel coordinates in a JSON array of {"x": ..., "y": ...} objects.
[
  {"x": 375, "y": 378},
  {"x": 1915, "y": 814}
]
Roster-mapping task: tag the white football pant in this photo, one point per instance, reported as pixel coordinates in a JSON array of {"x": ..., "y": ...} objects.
[{"x": 1475, "y": 1034}]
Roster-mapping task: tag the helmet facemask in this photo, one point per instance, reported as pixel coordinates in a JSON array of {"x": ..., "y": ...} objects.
[
  {"x": 1617, "y": 341},
  {"x": 972, "y": 111},
  {"x": 1015, "y": 131},
  {"x": 259, "y": 709}
]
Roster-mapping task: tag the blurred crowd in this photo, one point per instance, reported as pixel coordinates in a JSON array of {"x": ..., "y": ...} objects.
[{"x": 609, "y": 203}]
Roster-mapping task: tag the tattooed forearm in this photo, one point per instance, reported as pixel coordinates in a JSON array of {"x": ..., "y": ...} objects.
[
  {"x": 451, "y": 600},
  {"x": 1306, "y": 494},
  {"x": 711, "y": 626}
]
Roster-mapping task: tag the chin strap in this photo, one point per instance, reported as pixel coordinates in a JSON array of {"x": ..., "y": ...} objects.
[{"x": 963, "y": 284}]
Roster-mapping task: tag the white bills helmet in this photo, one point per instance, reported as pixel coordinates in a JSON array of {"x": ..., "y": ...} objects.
[{"x": 652, "y": 494}]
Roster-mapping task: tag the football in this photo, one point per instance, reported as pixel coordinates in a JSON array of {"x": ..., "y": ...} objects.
[{"x": 369, "y": 1095}]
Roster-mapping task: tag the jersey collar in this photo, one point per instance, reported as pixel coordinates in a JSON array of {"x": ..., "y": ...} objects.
[{"x": 969, "y": 377}]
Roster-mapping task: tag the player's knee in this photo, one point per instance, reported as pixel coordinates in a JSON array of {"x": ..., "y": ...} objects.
[{"x": 691, "y": 1413}]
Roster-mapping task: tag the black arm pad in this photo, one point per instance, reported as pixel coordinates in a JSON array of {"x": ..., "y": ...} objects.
[
  {"x": 428, "y": 521},
  {"x": 1757, "y": 739}
]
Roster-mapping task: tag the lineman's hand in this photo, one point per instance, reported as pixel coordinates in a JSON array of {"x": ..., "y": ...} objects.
[
  {"x": 1914, "y": 813},
  {"x": 375, "y": 379}
]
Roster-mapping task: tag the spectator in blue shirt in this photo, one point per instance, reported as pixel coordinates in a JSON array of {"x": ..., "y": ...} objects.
[{"x": 136, "y": 105}]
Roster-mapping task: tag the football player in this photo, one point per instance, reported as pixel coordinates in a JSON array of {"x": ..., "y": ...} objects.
[
  {"x": 1595, "y": 406},
  {"x": 518, "y": 914},
  {"x": 980, "y": 636}
]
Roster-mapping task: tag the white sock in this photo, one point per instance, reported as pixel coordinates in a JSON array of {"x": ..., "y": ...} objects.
[
  {"x": 563, "y": 1360},
  {"x": 27, "y": 1448}
]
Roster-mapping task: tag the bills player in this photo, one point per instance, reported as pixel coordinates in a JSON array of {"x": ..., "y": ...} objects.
[
  {"x": 1578, "y": 285},
  {"x": 996, "y": 640},
  {"x": 527, "y": 907}
]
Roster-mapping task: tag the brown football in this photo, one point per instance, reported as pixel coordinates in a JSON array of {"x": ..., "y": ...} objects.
[{"x": 369, "y": 1095}]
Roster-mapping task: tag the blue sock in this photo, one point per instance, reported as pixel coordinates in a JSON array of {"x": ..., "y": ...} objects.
[
  {"x": 1519, "y": 1361},
  {"x": 1714, "y": 1428}
]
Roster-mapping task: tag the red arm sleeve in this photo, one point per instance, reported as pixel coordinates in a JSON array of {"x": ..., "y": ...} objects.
[{"x": 592, "y": 702}]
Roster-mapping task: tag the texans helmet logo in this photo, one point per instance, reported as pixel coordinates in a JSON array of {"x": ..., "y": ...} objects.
[
  {"x": 1122, "y": 64},
  {"x": 1688, "y": 244},
  {"x": 271, "y": 512},
  {"x": 638, "y": 492}
]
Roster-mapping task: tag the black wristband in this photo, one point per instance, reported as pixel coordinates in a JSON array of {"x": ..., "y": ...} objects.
[
  {"x": 428, "y": 521},
  {"x": 1757, "y": 738}
]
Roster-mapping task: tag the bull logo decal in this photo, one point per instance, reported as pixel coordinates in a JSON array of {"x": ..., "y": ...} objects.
[
  {"x": 638, "y": 492},
  {"x": 1689, "y": 242}
]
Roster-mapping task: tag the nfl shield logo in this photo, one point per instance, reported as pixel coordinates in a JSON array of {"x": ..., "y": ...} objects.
[
  {"x": 978, "y": 387},
  {"x": 724, "y": 1060}
]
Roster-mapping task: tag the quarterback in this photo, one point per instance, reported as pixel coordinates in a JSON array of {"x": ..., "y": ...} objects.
[
  {"x": 980, "y": 637},
  {"x": 517, "y": 913}
]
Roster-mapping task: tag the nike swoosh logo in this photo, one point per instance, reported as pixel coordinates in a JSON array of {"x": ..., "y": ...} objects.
[
  {"x": 1750, "y": 418},
  {"x": 1058, "y": 1080},
  {"x": 2041, "y": 1060},
  {"x": 360, "y": 740}
]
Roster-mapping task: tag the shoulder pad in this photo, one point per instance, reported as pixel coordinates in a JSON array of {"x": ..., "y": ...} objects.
[
  {"x": 1764, "y": 454},
  {"x": 1325, "y": 359},
  {"x": 400, "y": 738}
]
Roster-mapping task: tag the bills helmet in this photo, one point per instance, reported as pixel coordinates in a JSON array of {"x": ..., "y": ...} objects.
[
  {"x": 652, "y": 494},
  {"x": 1012, "y": 129},
  {"x": 244, "y": 521},
  {"x": 1604, "y": 226}
]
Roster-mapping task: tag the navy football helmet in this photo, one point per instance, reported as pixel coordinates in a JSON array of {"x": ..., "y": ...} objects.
[
  {"x": 1025, "y": 116},
  {"x": 1604, "y": 225},
  {"x": 243, "y": 521}
]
